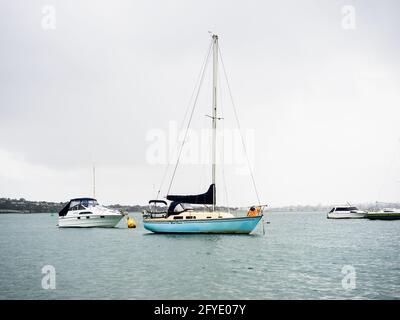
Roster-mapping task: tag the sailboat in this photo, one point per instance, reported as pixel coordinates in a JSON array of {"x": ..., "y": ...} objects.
[{"x": 180, "y": 217}]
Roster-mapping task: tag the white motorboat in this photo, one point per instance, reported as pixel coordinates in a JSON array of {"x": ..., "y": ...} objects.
[
  {"x": 87, "y": 213},
  {"x": 346, "y": 212}
]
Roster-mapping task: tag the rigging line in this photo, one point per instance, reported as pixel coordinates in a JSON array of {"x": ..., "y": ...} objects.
[
  {"x": 203, "y": 168},
  {"x": 238, "y": 124},
  {"x": 197, "y": 83},
  {"x": 190, "y": 118},
  {"x": 223, "y": 145}
]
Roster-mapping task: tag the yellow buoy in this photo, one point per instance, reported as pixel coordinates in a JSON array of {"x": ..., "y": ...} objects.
[{"x": 130, "y": 222}]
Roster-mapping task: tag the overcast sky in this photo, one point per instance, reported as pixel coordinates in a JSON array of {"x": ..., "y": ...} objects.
[{"x": 321, "y": 93}]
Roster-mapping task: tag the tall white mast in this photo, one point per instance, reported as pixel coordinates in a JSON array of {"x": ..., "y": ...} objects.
[{"x": 214, "y": 115}]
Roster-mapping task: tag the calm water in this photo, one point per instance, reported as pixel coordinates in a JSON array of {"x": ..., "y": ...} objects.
[{"x": 300, "y": 257}]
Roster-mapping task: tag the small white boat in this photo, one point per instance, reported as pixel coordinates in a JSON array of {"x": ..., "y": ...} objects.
[
  {"x": 87, "y": 213},
  {"x": 346, "y": 212}
]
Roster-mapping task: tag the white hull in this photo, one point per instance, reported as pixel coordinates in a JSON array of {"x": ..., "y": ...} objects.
[
  {"x": 346, "y": 215},
  {"x": 105, "y": 221}
]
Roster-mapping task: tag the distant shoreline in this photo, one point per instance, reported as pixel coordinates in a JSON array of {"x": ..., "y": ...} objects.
[
  {"x": 14, "y": 211},
  {"x": 22, "y": 206}
]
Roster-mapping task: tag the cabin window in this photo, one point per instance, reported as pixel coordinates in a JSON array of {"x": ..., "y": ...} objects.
[
  {"x": 208, "y": 217},
  {"x": 89, "y": 203},
  {"x": 86, "y": 212},
  {"x": 332, "y": 210},
  {"x": 346, "y": 209},
  {"x": 79, "y": 218},
  {"x": 87, "y": 217},
  {"x": 77, "y": 207},
  {"x": 190, "y": 217},
  {"x": 178, "y": 217},
  {"x": 102, "y": 217}
]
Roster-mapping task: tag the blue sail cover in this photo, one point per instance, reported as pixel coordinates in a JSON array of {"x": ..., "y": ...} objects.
[{"x": 204, "y": 198}]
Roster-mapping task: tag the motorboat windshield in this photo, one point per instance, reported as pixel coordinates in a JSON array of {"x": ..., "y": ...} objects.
[{"x": 82, "y": 204}]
